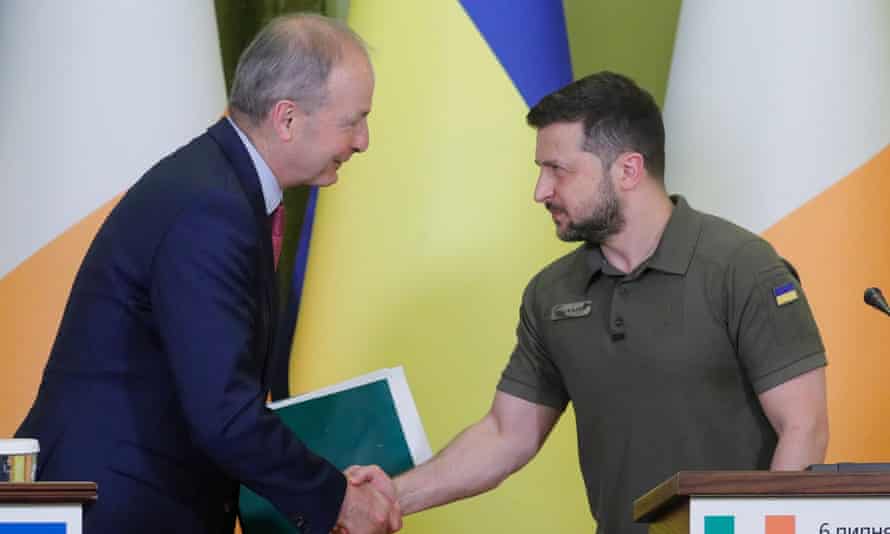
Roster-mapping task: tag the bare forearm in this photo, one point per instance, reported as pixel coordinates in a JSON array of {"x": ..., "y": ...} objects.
[
  {"x": 798, "y": 412},
  {"x": 478, "y": 460},
  {"x": 799, "y": 447}
]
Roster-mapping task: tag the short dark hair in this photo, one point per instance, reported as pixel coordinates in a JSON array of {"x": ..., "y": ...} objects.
[{"x": 618, "y": 116}]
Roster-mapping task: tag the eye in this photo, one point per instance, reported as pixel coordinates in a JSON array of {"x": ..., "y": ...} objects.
[
  {"x": 354, "y": 122},
  {"x": 348, "y": 123}
]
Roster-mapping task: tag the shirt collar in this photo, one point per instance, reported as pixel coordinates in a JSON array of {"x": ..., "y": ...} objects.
[
  {"x": 675, "y": 249},
  {"x": 582, "y": 267},
  {"x": 272, "y": 193},
  {"x": 677, "y": 245}
]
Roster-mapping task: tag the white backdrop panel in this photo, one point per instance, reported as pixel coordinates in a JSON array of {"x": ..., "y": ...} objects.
[
  {"x": 94, "y": 92},
  {"x": 769, "y": 103}
]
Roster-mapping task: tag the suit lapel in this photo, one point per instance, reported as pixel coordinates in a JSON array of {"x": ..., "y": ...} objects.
[{"x": 227, "y": 138}]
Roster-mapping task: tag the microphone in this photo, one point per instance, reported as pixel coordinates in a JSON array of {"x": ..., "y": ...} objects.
[{"x": 874, "y": 298}]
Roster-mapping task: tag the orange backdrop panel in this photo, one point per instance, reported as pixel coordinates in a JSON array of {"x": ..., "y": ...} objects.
[
  {"x": 840, "y": 242},
  {"x": 32, "y": 298}
]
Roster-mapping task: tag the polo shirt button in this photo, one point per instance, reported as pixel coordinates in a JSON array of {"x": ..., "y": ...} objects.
[
  {"x": 619, "y": 322},
  {"x": 623, "y": 291}
]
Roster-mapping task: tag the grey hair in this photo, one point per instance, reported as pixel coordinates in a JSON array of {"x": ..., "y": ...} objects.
[{"x": 290, "y": 59}]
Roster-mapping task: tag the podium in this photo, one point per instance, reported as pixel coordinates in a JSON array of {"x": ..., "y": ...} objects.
[
  {"x": 44, "y": 507},
  {"x": 767, "y": 502}
]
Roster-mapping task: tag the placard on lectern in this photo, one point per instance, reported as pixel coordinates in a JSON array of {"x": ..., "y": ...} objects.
[
  {"x": 44, "y": 507},
  {"x": 767, "y": 502}
]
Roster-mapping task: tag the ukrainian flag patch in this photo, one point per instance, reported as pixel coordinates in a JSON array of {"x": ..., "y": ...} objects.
[{"x": 785, "y": 294}]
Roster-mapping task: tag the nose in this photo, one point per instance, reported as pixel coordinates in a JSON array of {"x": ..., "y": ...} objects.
[
  {"x": 362, "y": 138},
  {"x": 544, "y": 187}
]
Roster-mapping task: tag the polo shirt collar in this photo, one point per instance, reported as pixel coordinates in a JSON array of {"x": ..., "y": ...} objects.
[
  {"x": 675, "y": 249},
  {"x": 677, "y": 245},
  {"x": 595, "y": 259},
  {"x": 588, "y": 263}
]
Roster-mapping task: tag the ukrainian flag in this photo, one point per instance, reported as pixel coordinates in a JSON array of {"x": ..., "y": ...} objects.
[{"x": 420, "y": 255}]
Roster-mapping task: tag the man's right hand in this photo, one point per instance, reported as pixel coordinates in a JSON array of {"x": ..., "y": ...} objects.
[{"x": 367, "y": 510}]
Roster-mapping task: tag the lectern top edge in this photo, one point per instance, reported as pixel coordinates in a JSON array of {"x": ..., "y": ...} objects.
[
  {"x": 746, "y": 483},
  {"x": 48, "y": 492}
]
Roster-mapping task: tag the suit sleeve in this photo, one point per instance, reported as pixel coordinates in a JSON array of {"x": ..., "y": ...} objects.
[{"x": 203, "y": 272}]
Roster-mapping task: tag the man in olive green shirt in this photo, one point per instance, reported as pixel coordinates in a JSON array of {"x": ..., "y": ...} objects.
[{"x": 682, "y": 340}]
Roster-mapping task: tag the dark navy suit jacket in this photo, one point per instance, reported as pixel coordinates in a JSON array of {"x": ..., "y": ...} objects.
[{"x": 155, "y": 386}]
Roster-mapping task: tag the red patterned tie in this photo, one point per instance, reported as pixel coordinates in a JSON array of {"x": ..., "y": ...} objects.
[{"x": 277, "y": 231}]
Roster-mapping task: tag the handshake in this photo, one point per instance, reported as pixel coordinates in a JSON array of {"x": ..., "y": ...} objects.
[{"x": 371, "y": 505}]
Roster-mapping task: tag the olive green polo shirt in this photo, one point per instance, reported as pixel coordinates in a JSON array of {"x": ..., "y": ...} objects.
[{"x": 663, "y": 365}]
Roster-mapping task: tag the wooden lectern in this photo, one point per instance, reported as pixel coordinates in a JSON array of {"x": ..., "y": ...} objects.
[
  {"x": 44, "y": 507},
  {"x": 766, "y": 502}
]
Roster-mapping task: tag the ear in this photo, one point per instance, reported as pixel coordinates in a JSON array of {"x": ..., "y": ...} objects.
[
  {"x": 629, "y": 169},
  {"x": 286, "y": 118}
]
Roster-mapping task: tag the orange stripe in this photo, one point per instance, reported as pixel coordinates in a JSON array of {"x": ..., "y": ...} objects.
[
  {"x": 32, "y": 298},
  {"x": 780, "y": 524},
  {"x": 840, "y": 243}
]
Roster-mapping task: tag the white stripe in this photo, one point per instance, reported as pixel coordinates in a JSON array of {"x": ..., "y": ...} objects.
[
  {"x": 769, "y": 102},
  {"x": 94, "y": 92}
]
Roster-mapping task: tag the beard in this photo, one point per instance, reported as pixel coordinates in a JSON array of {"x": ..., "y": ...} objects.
[{"x": 605, "y": 218}]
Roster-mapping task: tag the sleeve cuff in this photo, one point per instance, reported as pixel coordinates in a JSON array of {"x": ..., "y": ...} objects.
[
  {"x": 801, "y": 366},
  {"x": 530, "y": 393},
  {"x": 322, "y": 519}
]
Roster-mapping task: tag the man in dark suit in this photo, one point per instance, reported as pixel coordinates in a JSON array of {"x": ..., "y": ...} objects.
[{"x": 156, "y": 383}]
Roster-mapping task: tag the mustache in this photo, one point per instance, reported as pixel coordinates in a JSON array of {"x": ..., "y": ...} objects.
[{"x": 553, "y": 208}]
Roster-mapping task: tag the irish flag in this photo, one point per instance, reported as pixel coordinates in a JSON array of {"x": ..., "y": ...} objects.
[{"x": 778, "y": 118}]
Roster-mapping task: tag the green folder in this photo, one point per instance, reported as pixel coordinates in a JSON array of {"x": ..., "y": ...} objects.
[{"x": 370, "y": 419}]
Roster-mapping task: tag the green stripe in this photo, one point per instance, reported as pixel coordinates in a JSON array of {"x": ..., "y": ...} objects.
[{"x": 719, "y": 524}]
